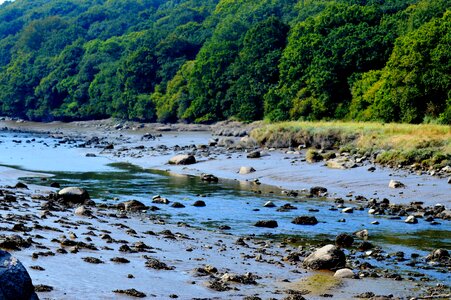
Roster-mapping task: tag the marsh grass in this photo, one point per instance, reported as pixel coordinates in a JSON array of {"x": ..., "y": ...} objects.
[{"x": 425, "y": 144}]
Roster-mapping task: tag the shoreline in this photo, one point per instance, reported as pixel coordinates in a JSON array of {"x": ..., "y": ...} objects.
[
  {"x": 201, "y": 246},
  {"x": 281, "y": 168}
]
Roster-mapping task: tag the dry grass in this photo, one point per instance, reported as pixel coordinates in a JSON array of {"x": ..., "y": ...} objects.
[{"x": 399, "y": 143}]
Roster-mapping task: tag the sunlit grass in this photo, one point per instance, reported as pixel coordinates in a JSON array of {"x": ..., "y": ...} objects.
[{"x": 403, "y": 143}]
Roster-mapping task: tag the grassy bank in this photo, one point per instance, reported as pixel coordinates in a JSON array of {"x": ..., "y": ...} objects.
[{"x": 391, "y": 144}]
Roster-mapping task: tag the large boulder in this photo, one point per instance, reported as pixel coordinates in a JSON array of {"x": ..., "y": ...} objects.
[
  {"x": 329, "y": 257},
  {"x": 15, "y": 282},
  {"x": 182, "y": 159},
  {"x": 73, "y": 195}
]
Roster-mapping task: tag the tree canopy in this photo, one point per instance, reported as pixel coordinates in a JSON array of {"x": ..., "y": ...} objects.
[{"x": 210, "y": 60}]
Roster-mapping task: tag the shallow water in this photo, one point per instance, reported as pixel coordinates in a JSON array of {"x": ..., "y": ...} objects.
[{"x": 234, "y": 203}]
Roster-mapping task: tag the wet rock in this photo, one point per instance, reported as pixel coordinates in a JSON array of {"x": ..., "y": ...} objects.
[
  {"x": 131, "y": 293},
  {"x": 318, "y": 191},
  {"x": 269, "y": 204},
  {"x": 328, "y": 257},
  {"x": 254, "y": 154},
  {"x": 438, "y": 255},
  {"x": 246, "y": 170},
  {"x": 120, "y": 260},
  {"x": 42, "y": 288},
  {"x": 73, "y": 195},
  {"x": 13, "y": 242},
  {"x": 83, "y": 211},
  {"x": 344, "y": 273},
  {"x": 132, "y": 205},
  {"x": 247, "y": 278},
  {"x": 218, "y": 285},
  {"x": 344, "y": 240},
  {"x": 364, "y": 246},
  {"x": 362, "y": 234},
  {"x": 160, "y": 200},
  {"x": 15, "y": 282},
  {"x": 21, "y": 185},
  {"x": 157, "y": 265},
  {"x": 199, "y": 203},
  {"x": 394, "y": 184},
  {"x": 209, "y": 178},
  {"x": 55, "y": 185},
  {"x": 182, "y": 159},
  {"x": 411, "y": 220},
  {"x": 305, "y": 220},
  {"x": 92, "y": 260},
  {"x": 266, "y": 223},
  {"x": 177, "y": 205},
  {"x": 348, "y": 210}
]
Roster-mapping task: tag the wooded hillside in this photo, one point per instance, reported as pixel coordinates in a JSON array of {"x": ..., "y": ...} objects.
[{"x": 209, "y": 60}]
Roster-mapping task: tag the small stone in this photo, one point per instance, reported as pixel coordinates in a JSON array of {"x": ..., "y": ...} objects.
[
  {"x": 344, "y": 273},
  {"x": 411, "y": 220},
  {"x": 266, "y": 223},
  {"x": 246, "y": 170},
  {"x": 394, "y": 184},
  {"x": 269, "y": 204}
]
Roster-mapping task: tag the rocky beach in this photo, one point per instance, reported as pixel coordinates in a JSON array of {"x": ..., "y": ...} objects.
[{"x": 205, "y": 212}]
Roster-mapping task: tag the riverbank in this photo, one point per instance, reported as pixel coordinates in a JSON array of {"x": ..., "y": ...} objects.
[
  {"x": 346, "y": 176},
  {"x": 276, "y": 262}
]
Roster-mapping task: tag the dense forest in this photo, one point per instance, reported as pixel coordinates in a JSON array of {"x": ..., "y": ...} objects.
[{"x": 209, "y": 60}]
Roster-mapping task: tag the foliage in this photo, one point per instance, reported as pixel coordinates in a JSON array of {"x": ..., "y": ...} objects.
[{"x": 209, "y": 60}]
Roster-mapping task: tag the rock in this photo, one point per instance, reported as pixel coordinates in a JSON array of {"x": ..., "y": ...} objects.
[
  {"x": 83, "y": 211},
  {"x": 55, "y": 185},
  {"x": 329, "y": 257},
  {"x": 394, "y": 184},
  {"x": 182, "y": 159},
  {"x": 318, "y": 191},
  {"x": 305, "y": 220},
  {"x": 132, "y": 205},
  {"x": 21, "y": 185},
  {"x": 15, "y": 282},
  {"x": 199, "y": 203},
  {"x": 157, "y": 265},
  {"x": 131, "y": 293},
  {"x": 438, "y": 255},
  {"x": 336, "y": 164},
  {"x": 362, "y": 234},
  {"x": 449, "y": 180},
  {"x": 73, "y": 195},
  {"x": 246, "y": 170},
  {"x": 14, "y": 242},
  {"x": 266, "y": 223},
  {"x": 313, "y": 156},
  {"x": 344, "y": 273},
  {"x": 348, "y": 210},
  {"x": 209, "y": 178},
  {"x": 160, "y": 200},
  {"x": 254, "y": 154},
  {"x": 344, "y": 240},
  {"x": 177, "y": 205},
  {"x": 269, "y": 204},
  {"x": 411, "y": 220}
]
